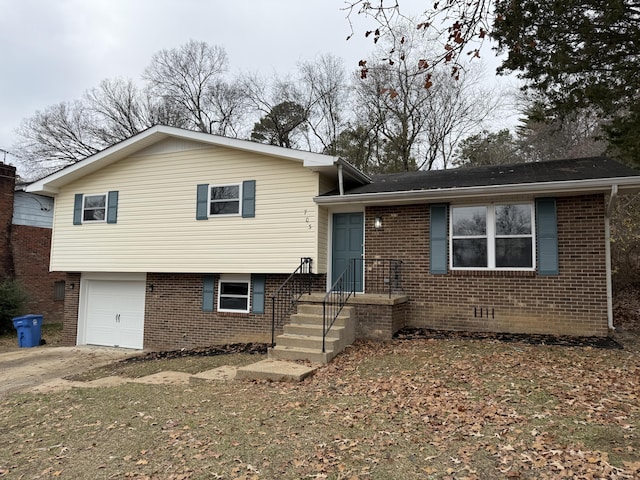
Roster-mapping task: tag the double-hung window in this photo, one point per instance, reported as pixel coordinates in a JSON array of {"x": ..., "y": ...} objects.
[
  {"x": 497, "y": 236},
  {"x": 233, "y": 294},
  {"x": 224, "y": 199},
  {"x": 94, "y": 208}
]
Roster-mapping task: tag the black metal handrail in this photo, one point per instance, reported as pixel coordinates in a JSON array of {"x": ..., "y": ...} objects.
[
  {"x": 380, "y": 275},
  {"x": 336, "y": 298},
  {"x": 286, "y": 297}
]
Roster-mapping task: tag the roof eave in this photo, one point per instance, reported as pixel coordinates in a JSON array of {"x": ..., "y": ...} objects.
[
  {"x": 52, "y": 183},
  {"x": 600, "y": 185}
]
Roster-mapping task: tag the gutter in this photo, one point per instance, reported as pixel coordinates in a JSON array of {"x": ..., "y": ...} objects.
[
  {"x": 340, "y": 180},
  {"x": 607, "y": 234},
  {"x": 454, "y": 193}
]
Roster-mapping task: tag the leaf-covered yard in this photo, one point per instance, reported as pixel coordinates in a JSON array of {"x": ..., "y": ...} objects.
[{"x": 445, "y": 408}]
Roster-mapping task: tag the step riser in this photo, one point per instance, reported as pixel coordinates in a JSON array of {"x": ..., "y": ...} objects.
[
  {"x": 311, "y": 330},
  {"x": 333, "y": 344},
  {"x": 317, "y": 319},
  {"x": 281, "y": 354},
  {"x": 315, "y": 309}
]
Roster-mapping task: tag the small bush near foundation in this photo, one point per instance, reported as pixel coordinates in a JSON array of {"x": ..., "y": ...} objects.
[{"x": 13, "y": 299}]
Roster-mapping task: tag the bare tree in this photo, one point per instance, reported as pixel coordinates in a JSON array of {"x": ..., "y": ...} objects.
[
  {"x": 189, "y": 76},
  {"x": 419, "y": 118},
  {"x": 56, "y": 137},
  {"x": 322, "y": 87},
  {"x": 118, "y": 110}
]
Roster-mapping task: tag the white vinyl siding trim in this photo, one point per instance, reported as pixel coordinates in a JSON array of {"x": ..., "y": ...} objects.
[{"x": 157, "y": 230}]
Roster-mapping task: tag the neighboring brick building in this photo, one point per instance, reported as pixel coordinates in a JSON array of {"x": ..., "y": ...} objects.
[{"x": 25, "y": 241}]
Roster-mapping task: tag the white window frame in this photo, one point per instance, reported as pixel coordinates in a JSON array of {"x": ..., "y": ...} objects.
[
  {"x": 491, "y": 237},
  {"x": 106, "y": 206},
  {"x": 210, "y": 201},
  {"x": 234, "y": 279}
]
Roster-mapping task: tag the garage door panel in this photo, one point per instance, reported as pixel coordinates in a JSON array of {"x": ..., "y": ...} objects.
[{"x": 115, "y": 313}]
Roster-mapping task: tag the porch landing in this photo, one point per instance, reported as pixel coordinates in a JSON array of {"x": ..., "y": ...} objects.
[{"x": 361, "y": 298}]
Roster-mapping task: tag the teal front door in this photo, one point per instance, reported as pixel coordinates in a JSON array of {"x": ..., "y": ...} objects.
[{"x": 347, "y": 245}]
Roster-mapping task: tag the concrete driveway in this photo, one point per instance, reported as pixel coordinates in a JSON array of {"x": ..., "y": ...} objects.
[{"x": 26, "y": 368}]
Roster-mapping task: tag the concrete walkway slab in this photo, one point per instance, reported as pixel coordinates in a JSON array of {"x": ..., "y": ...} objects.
[
  {"x": 275, "y": 371},
  {"x": 223, "y": 373}
]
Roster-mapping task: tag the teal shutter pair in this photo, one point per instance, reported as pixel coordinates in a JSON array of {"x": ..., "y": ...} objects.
[
  {"x": 248, "y": 200},
  {"x": 257, "y": 287},
  {"x": 546, "y": 232},
  {"x": 112, "y": 208}
]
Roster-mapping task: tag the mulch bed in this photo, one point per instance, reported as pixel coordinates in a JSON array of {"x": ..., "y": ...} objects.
[
  {"x": 250, "y": 348},
  {"x": 566, "y": 341}
]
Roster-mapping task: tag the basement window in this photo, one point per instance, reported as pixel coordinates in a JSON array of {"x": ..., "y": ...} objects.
[{"x": 233, "y": 293}]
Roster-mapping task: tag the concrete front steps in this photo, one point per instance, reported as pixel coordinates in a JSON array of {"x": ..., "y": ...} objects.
[{"x": 302, "y": 338}]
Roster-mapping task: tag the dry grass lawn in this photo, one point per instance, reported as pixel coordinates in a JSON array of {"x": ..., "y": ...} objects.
[{"x": 431, "y": 409}]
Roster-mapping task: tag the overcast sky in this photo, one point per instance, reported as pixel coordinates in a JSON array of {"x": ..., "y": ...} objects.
[{"x": 54, "y": 50}]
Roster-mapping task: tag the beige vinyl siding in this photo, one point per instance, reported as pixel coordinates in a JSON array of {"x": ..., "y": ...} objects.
[
  {"x": 157, "y": 230},
  {"x": 327, "y": 184}
]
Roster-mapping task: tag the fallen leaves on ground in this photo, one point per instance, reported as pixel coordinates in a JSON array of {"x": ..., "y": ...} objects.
[{"x": 449, "y": 408}]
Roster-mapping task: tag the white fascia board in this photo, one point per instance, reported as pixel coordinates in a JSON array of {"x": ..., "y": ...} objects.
[
  {"x": 52, "y": 183},
  {"x": 599, "y": 185}
]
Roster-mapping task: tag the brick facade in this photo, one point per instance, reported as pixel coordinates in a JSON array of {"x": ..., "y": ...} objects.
[
  {"x": 572, "y": 303},
  {"x": 174, "y": 317},
  {"x": 7, "y": 188},
  {"x": 71, "y": 306},
  {"x": 31, "y": 248}
]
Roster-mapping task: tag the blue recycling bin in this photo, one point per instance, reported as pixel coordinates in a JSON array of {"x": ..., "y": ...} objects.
[{"x": 29, "y": 330}]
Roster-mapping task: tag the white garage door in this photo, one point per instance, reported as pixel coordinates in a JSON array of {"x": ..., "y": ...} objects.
[{"x": 114, "y": 313}]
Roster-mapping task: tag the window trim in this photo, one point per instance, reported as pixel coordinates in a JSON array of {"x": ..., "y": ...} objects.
[
  {"x": 210, "y": 201},
  {"x": 234, "y": 279},
  {"x": 491, "y": 237},
  {"x": 106, "y": 206}
]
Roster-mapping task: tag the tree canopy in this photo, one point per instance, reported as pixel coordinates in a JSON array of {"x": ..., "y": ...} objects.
[{"x": 576, "y": 54}]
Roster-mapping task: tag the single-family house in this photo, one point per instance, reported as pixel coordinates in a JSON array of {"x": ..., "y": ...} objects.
[{"x": 176, "y": 239}]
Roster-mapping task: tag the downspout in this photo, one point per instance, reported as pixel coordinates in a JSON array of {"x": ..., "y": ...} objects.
[
  {"x": 607, "y": 234},
  {"x": 340, "y": 180}
]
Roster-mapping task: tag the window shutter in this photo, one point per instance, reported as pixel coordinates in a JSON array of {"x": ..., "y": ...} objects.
[
  {"x": 202, "y": 207},
  {"x": 258, "y": 293},
  {"x": 208, "y": 296},
  {"x": 77, "y": 209},
  {"x": 249, "y": 198},
  {"x": 438, "y": 240},
  {"x": 547, "y": 233},
  {"x": 112, "y": 207}
]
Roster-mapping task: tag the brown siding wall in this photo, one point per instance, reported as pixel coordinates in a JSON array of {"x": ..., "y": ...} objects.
[
  {"x": 31, "y": 247},
  {"x": 573, "y": 302}
]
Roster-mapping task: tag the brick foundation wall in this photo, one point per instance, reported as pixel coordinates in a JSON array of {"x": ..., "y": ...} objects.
[
  {"x": 572, "y": 303},
  {"x": 71, "y": 305},
  {"x": 379, "y": 321},
  {"x": 174, "y": 318},
  {"x": 31, "y": 247},
  {"x": 7, "y": 187}
]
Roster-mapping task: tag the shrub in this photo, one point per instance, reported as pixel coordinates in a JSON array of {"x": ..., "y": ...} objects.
[{"x": 13, "y": 299}]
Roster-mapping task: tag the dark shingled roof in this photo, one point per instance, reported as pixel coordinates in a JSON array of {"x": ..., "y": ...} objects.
[{"x": 538, "y": 172}]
